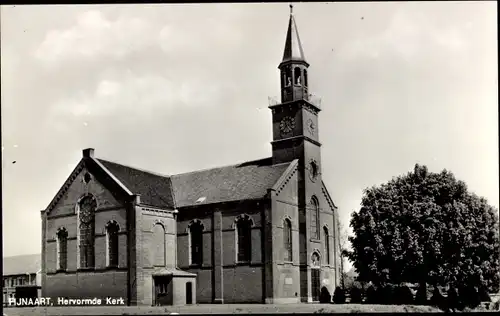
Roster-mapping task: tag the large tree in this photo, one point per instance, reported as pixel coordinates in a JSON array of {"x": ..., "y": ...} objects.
[{"x": 426, "y": 227}]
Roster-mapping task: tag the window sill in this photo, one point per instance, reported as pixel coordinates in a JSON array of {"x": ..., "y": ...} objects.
[
  {"x": 243, "y": 263},
  {"x": 314, "y": 240},
  {"x": 61, "y": 270},
  {"x": 85, "y": 269},
  {"x": 195, "y": 265},
  {"x": 113, "y": 267}
]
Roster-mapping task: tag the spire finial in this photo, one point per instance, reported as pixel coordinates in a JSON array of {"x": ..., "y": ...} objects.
[{"x": 291, "y": 9}]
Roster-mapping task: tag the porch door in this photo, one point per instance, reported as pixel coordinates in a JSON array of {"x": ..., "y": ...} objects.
[
  {"x": 315, "y": 284},
  {"x": 160, "y": 294},
  {"x": 189, "y": 293}
]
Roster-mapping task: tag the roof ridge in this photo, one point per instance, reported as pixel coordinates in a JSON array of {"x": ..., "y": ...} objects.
[
  {"x": 136, "y": 168},
  {"x": 220, "y": 167}
]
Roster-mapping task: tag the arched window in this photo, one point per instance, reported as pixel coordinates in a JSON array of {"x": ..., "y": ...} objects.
[
  {"x": 288, "y": 72},
  {"x": 287, "y": 239},
  {"x": 314, "y": 208},
  {"x": 86, "y": 218},
  {"x": 244, "y": 238},
  {"x": 305, "y": 78},
  {"x": 159, "y": 245},
  {"x": 196, "y": 242},
  {"x": 327, "y": 244},
  {"x": 112, "y": 230},
  {"x": 62, "y": 249},
  {"x": 297, "y": 76}
]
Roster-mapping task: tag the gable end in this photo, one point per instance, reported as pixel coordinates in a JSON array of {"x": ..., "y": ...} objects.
[
  {"x": 328, "y": 197},
  {"x": 72, "y": 177},
  {"x": 286, "y": 176}
]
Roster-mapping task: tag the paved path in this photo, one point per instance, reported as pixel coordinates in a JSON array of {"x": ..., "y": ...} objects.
[{"x": 218, "y": 309}]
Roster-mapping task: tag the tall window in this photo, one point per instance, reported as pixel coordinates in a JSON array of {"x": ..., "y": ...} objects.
[
  {"x": 314, "y": 218},
  {"x": 159, "y": 243},
  {"x": 87, "y": 231},
  {"x": 287, "y": 234},
  {"x": 196, "y": 242},
  {"x": 327, "y": 244},
  {"x": 244, "y": 239},
  {"x": 62, "y": 249},
  {"x": 112, "y": 230}
]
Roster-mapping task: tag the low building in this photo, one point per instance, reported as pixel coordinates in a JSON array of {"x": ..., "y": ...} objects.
[{"x": 20, "y": 271}]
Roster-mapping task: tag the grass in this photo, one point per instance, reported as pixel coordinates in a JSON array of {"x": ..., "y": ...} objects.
[{"x": 220, "y": 309}]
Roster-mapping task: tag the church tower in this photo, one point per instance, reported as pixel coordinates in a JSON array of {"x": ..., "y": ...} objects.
[
  {"x": 295, "y": 118},
  {"x": 295, "y": 136}
]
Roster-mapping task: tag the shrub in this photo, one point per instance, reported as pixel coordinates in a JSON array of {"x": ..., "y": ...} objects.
[
  {"x": 403, "y": 295},
  {"x": 371, "y": 295},
  {"x": 469, "y": 297},
  {"x": 484, "y": 295},
  {"x": 452, "y": 301},
  {"x": 496, "y": 306},
  {"x": 385, "y": 294},
  {"x": 325, "y": 296},
  {"x": 421, "y": 296},
  {"x": 356, "y": 295},
  {"x": 437, "y": 299},
  {"x": 339, "y": 296}
]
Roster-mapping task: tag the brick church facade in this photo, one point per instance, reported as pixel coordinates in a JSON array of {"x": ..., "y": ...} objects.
[{"x": 262, "y": 231}]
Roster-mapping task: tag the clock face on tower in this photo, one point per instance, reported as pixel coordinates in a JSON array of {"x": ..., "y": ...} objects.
[
  {"x": 311, "y": 127},
  {"x": 287, "y": 124}
]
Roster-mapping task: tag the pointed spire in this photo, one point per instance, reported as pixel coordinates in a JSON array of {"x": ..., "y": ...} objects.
[{"x": 293, "y": 46}]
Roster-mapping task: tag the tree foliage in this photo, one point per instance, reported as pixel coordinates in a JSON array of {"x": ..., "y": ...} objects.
[{"x": 425, "y": 227}]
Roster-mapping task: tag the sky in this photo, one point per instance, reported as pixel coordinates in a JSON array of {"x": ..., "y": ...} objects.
[{"x": 176, "y": 88}]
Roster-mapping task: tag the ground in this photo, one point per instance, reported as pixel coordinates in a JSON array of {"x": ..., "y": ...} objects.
[{"x": 219, "y": 309}]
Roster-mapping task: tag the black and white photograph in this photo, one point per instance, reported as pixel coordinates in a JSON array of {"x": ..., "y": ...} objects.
[{"x": 250, "y": 158}]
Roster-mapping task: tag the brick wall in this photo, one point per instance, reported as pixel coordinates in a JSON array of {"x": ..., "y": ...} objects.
[
  {"x": 223, "y": 277},
  {"x": 147, "y": 245},
  {"x": 87, "y": 285},
  {"x": 99, "y": 282},
  {"x": 285, "y": 276}
]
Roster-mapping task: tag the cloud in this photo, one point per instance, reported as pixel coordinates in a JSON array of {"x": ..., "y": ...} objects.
[
  {"x": 407, "y": 36},
  {"x": 94, "y": 35},
  {"x": 138, "y": 95}
]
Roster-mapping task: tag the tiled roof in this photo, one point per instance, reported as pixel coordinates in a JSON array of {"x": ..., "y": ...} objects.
[
  {"x": 155, "y": 190},
  {"x": 23, "y": 264},
  {"x": 249, "y": 180}
]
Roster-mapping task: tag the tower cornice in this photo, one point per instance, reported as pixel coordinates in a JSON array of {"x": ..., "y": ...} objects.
[
  {"x": 295, "y": 139},
  {"x": 313, "y": 108}
]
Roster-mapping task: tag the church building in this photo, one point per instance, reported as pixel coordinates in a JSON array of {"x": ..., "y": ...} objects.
[{"x": 262, "y": 231}]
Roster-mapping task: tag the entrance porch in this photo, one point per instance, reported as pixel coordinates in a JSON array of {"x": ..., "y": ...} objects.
[{"x": 173, "y": 287}]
